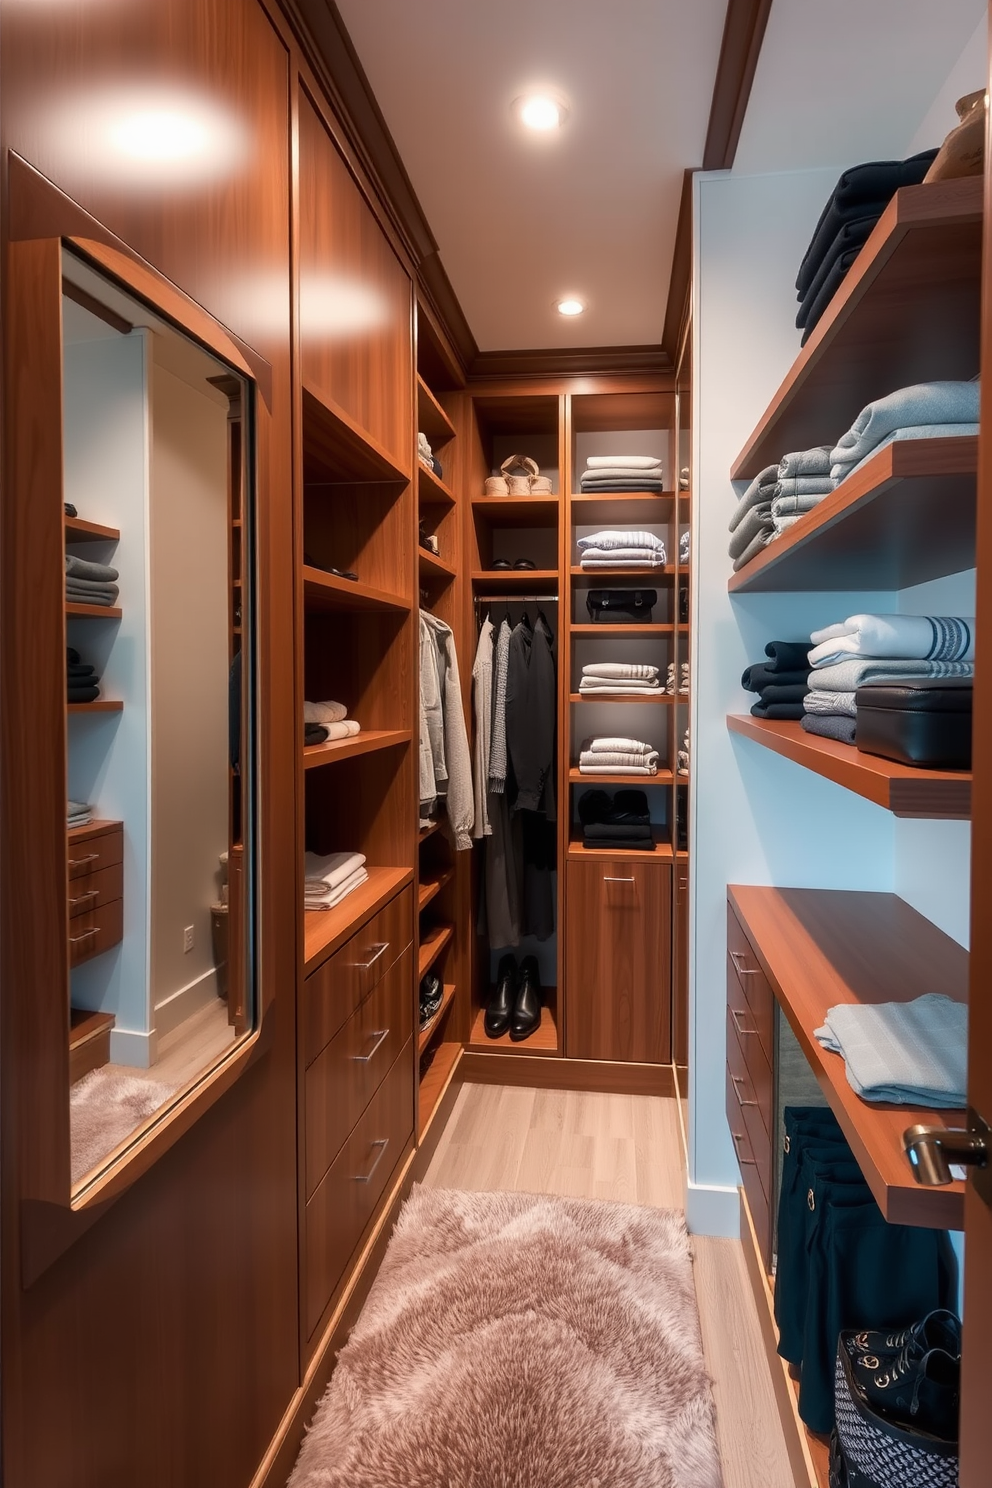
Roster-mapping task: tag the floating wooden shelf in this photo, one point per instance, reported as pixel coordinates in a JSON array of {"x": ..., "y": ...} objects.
[
  {"x": 436, "y": 939},
  {"x": 591, "y": 498},
  {"x": 821, "y": 947},
  {"x": 431, "y": 887},
  {"x": 517, "y": 511},
  {"x": 430, "y": 1029},
  {"x": 663, "y": 777},
  {"x": 326, "y": 929},
  {"x": 78, "y": 531},
  {"x": 434, "y": 568},
  {"x": 337, "y": 451},
  {"x": 431, "y": 417},
  {"x": 663, "y": 571},
  {"x": 92, "y": 612},
  {"x": 431, "y": 490},
  {"x": 908, "y": 311},
  {"x": 324, "y": 591},
  {"x": 514, "y": 580},
  {"x": 906, "y": 516},
  {"x": 435, "y": 1082},
  {"x": 656, "y": 696},
  {"x": 100, "y": 705},
  {"x": 899, "y": 788},
  {"x": 544, "y": 1039},
  {"x": 606, "y": 632},
  {"x": 316, "y": 755},
  {"x": 662, "y": 849}
]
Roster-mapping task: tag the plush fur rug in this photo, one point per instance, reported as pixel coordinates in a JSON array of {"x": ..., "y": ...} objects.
[
  {"x": 521, "y": 1341},
  {"x": 105, "y": 1107}
]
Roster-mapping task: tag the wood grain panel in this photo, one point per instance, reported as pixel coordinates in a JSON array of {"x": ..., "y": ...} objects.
[{"x": 680, "y": 961}]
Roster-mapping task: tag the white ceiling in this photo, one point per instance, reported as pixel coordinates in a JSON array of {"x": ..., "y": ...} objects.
[{"x": 521, "y": 220}]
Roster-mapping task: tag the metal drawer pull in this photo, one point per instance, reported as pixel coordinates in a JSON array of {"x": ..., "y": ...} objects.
[
  {"x": 744, "y": 1161},
  {"x": 81, "y": 898},
  {"x": 81, "y": 862},
  {"x": 379, "y": 1039},
  {"x": 735, "y": 956},
  {"x": 380, "y": 949},
  {"x": 739, "y": 1080},
  {"x": 607, "y": 879},
  {"x": 75, "y": 939},
  {"x": 744, "y": 1032},
  {"x": 382, "y": 1144}
]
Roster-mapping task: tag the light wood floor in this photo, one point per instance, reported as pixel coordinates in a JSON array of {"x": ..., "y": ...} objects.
[{"x": 628, "y": 1148}]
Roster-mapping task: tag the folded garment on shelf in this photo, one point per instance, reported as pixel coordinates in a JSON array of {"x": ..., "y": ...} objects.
[
  {"x": 924, "y": 404},
  {"x": 328, "y": 898},
  {"x": 82, "y": 568},
  {"x": 760, "y": 491},
  {"x": 645, "y": 769},
  {"x": 758, "y": 522},
  {"x": 346, "y": 729},
  {"x": 803, "y": 485},
  {"x": 808, "y": 463},
  {"x": 593, "y": 685},
  {"x": 78, "y": 813},
  {"x": 619, "y": 539},
  {"x": 627, "y": 833},
  {"x": 848, "y": 241},
  {"x": 684, "y": 548},
  {"x": 84, "y": 694},
  {"x": 786, "y": 656},
  {"x": 636, "y": 480},
  {"x": 80, "y": 672},
  {"x": 782, "y": 524},
  {"x": 611, "y": 758},
  {"x": 910, "y": 1053},
  {"x": 820, "y": 701},
  {"x": 85, "y": 591},
  {"x": 327, "y": 712},
  {"x": 332, "y": 870},
  {"x": 784, "y": 692},
  {"x": 781, "y": 711},
  {"x": 837, "y": 726},
  {"x": 610, "y": 744},
  {"x": 762, "y": 674},
  {"x": 622, "y": 558},
  {"x": 627, "y": 462},
  {"x": 757, "y": 543},
  {"x": 627, "y": 670},
  {"x": 917, "y": 637},
  {"x": 629, "y": 487},
  {"x": 314, "y": 733},
  {"x": 837, "y": 271},
  {"x": 792, "y": 506},
  {"x": 847, "y": 676}
]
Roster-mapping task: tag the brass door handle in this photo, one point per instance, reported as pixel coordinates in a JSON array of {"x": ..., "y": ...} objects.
[
  {"x": 607, "y": 879},
  {"x": 382, "y": 1144},
  {"x": 736, "y": 957},
  {"x": 379, "y": 1037}
]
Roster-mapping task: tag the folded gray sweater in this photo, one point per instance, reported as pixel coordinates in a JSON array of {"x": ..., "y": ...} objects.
[
  {"x": 82, "y": 568},
  {"x": 911, "y": 431},
  {"x": 815, "y": 461},
  {"x": 760, "y": 490},
  {"x": 757, "y": 521},
  {"x": 923, "y": 403}
]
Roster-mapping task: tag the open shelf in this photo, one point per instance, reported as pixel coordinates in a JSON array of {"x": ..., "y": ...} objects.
[
  {"x": 662, "y": 848},
  {"x": 431, "y": 490},
  {"x": 95, "y": 828},
  {"x": 437, "y": 939},
  {"x": 426, "y": 832},
  {"x": 100, "y": 705},
  {"x": 908, "y": 311},
  {"x": 623, "y": 508},
  {"x": 908, "y": 515},
  {"x": 901, "y": 789},
  {"x": 92, "y": 612},
  {"x": 326, "y": 929},
  {"x": 434, "y": 568},
  {"x": 604, "y": 632},
  {"x": 662, "y": 571},
  {"x": 664, "y": 776},
  {"x": 431, "y": 887},
  {"x": 431, "y": 417},
  {"x": 79, "y": 531},
  {"x": 544, "y": 1039},
  {"x": 324, "y": 591},
  {"x": 821, "y": 947},
  {"x": 430, "y": 1029},
  {"x": 315, "y": 755},
  {"x": 334, "y": 445},
  {"x": 657, "y": 696},
  {"x": 516, "y": 511},
  {"x": 514, "y": 580},
  {"x": 435, "y": 1082}
]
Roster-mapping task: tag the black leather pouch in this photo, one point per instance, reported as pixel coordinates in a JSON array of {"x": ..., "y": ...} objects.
[
  {"x": 919, "y": 721},
  {"x": 621, "y": 606}
]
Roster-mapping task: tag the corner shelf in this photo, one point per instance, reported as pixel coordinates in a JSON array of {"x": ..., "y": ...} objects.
[
  {"x": 656, "y": 697},
  {"x": 437, "y": 939},
  {"x": 315, "y": 755},
  {"x": 517, "y": 511},
  {"x": 906, "y": 516},
  {"x": 544, "y": 1039},
  {"x": 92, "y": 612},
  {"x": 662, "y": 850},
  {"x": 325, "y": 591},
  {"x": 324, "y": 930},
  {"x": 821, "y": 947},
  {"x": 431, "y": 490},
  {"x": 99, "y": 705},
  {"x": 430, "y": 1029},
  {"x": 431, "y": 417},
  {"x": 434, "y": 568},
  {"x": 663, "y": 776},
  {"x": 901, "y": 789},
  {"x": 79, "y": 531}
]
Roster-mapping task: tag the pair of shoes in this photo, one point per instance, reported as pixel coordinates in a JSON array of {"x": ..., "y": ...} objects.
[
  {"x": 912, "y": 1376},
  {"x": 521, "y": 563},
  {"x": 431, "y": 995},
  {"x": 339, "y": 573},
  {"x": 428, "y": 541},
  {"x": 516, "y": 1001}
]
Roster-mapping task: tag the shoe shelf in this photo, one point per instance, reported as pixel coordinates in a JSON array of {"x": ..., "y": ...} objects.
[
  {"x": 79, "y": 531},
  {"x": 434, "y": 1082},
  {"x": 335, "y": 750},
  {"x": 434, "y": 569},
  {"x": 516, "y": 511},
  {"x": 92, "y": 612},
  {"x": 901, "y": 789},
  {"x": 544, "y": 1039},
  {"x": 908, "y": 515},
  {"x": 662, "y": 849},
  {"x": 99, "y": 705},
  {"x": 325, "y": 591},
  {"x": 431, "y": 490},
  {"x": 820, "y": 947},
  {"x": 324, "y": 930},
  {"x": 431, "y": 887},
  {"x": 515, "y": 580},
  {"x": 432, "y": 943},
  {"x": 333, "y": 443},
  {"x": 636, "y": 782},
  {"x": 908, "y": 311},
  {"x": 431, "y": 417},
  {"x": 656, "y": 697},
  {"x": 428, "y": 1031}
]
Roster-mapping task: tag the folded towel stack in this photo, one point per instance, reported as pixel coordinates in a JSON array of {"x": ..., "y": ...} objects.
[
  {"x": 619, "y": 678},
  {"x": 854, "y": 206},
  {"x": 776, "y": 498},
  {"x": 78, "y": 813},
  {"x": 617, "y": 757},
  {"x": 324, "y": 721},
  {"x": 683, "y": 679},
  {"x": 622, "y": 822},
  {"x": 781, "y": 681},
  {"x": 879, "y": 648},
  {"x": 909, "y": 1053},
  {"x": 82, "y": 682},
  {"x": 682, "y": 758},
  {"x": 927, "y": 410},
  {"x": 609, "y": 473},
  {"x": 90, "y": 583},
  {"x": 331, "y": 879},
  {"x": 622, "y": 548}
]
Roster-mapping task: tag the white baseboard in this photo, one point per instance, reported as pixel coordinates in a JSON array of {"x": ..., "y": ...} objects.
[
  {"x": 180, "y": 1005},
  {"x": 712, "y": 1211},
  {"x": 136, "y": 1049}
]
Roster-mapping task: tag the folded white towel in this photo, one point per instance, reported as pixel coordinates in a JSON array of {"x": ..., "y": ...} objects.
[
  {"x": 848, "y": 676},
  {"x": 324, "y": 712},
  {"x": 645, "y": 769},
  {"x": 333, "y": 869},
  {"x": 346, "y": 730},
  {"x": 915, "y": 637},
  {"x": 613, "y": 744},
  {"x": 629, "y": 462},
  {"x": 625, "y": 669},
  {"x": 332, "y": 897},
  {"x": 614, "y": 688},
  {"x": 601, "y": 759},
  {"x": 622, "y": 538}
]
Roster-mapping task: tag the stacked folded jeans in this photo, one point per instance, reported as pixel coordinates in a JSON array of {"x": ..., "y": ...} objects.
[
  {"x": 879, "y": 648},
  {"x": 325, "y": 721},
  {"x": 622, "y": 548},
  {"x": 927, "y": 410},
  {"x": 612, "y": 756},
  {"x": 78, "y": 814},
  {"x": 841, "y": 1264},
  {"x": 82, "y": 682},
  {"x": 781, "y": 681},
  {"x": 908, "y": 1053},
  {"x": 90, "y": 583},
  {"x": 622, "y": 823},
  {"x": 608, "y": 473},
  {"x": 855, "y": 205},
  {"x": 623, "y": 678},
  {"x": 329, "y": 880}
]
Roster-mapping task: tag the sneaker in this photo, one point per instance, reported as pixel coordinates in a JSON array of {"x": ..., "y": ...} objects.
[{"x": 431, "y": 994}]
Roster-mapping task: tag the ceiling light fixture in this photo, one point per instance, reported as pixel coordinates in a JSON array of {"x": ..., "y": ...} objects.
[
  {"x": 569, "y": 306},
  {"x": 541, "y": 112}
]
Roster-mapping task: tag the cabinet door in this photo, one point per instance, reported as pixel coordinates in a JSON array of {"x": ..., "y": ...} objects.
[
  {"x": 680, "y": 989},
  {"x": 618, "y": 960}
]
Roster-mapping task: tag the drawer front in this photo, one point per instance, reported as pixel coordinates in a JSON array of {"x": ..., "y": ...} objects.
[
  {"x": 346, "y": 1074},
  {"x": 95, "y": 930},
  {"x": 90, "y": 890},
  {"x": 345, "y": 979},
  {"x": 756, "y": 1196},
  {"x": 752, "y": 995},
  {"x": 744, "y": 1084},
  {"x": 350, "y": 1192},
  {"x": 96, "y": 853}
]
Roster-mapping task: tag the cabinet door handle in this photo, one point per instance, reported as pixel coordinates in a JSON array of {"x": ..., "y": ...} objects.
[
  {"x": 76, "y": 939},
  {"x": 380, "y": 1036},
  {"x": 81, "y": 898},
  {"x": 607, "y": 879},
  {"x": 379, "y": 948},
  {"x": 81, "y": 862},
  {"x": 382, "y": 1144},
  {"x": 739, "y": 1080},
  {"x": 736, "y": 957},
  {"x": 744, "y": 1161},
  {"x": 744, "y": 1032}
]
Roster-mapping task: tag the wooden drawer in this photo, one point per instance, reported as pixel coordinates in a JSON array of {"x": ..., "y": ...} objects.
[
  {"x": 90, "y": 890},
  {"x": 618, "y": 959},
  {"x": 346, "y": 1200},
  {"x": 349, "y": 1070},
  {"x": 754, "y": 1109},
  {"x": 95, "y": 930},
  {"x": 336, "y": 988},
  {"x": 751, "y": 997},
  {"x": 756, "y": 1195},
  {"x": 93, "y": 848}
]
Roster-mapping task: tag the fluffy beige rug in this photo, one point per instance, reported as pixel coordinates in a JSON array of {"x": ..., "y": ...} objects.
[
  {"x": 104, "y": 1108},
  {"x": 521, "y": 1341}
]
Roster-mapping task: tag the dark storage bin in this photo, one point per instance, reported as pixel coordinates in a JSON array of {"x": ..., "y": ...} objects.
[{"x": 920, "y": 721}]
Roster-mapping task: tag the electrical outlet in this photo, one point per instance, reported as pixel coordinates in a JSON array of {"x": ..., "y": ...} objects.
[{"x": 188, "y": 938}]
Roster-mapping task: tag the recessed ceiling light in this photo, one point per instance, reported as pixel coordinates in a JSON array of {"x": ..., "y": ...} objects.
[
  {"x": 569, "y": 306},
  {"x": 541, "y": 112}
]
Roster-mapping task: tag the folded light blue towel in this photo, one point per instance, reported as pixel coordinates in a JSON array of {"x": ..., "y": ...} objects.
[
  {"x": 910, "y": 1053},
  {"x": 925, "y": 403},
  {"x": 848, "y": 676}
]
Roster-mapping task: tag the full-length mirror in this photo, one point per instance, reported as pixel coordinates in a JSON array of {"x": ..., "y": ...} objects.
[{"x": 158, "y": 601}]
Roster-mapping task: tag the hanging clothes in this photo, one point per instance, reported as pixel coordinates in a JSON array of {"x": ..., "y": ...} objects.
[
  {"x": 482, "y": 701},
  {"x": 530, "y": 717},
  {"x": 445, "y": 764}
]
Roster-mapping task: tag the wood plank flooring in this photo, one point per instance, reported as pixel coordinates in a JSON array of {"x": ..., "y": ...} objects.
[{"x": 627, "y": 1148}]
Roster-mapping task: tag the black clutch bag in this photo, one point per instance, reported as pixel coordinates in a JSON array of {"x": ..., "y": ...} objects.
[
  {"x": 919, "y": 721},
  {"x": 621, "y": 606}
]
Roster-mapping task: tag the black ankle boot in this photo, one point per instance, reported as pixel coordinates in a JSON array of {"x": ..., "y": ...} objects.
[
  {"x": 502, "y": 1001},
  {"x": 526, "y": 1015}
]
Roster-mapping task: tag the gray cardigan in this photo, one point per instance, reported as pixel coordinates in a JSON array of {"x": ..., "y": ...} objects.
[{"x": 444, "y": 752}]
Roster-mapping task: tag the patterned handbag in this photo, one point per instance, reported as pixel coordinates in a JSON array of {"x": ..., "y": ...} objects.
[{"x": 868, "y": 1451}]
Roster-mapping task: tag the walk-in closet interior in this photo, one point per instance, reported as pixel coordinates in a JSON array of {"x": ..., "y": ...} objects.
[{"x": 451, "y": 1032}]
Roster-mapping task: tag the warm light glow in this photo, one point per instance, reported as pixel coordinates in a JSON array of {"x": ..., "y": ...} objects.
[
  {"x": 334, "y": 307},
  {"x": 541, "y": 113},
  {"x": 570, "y": 307},
  {"x": 160, "y": 134}
]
